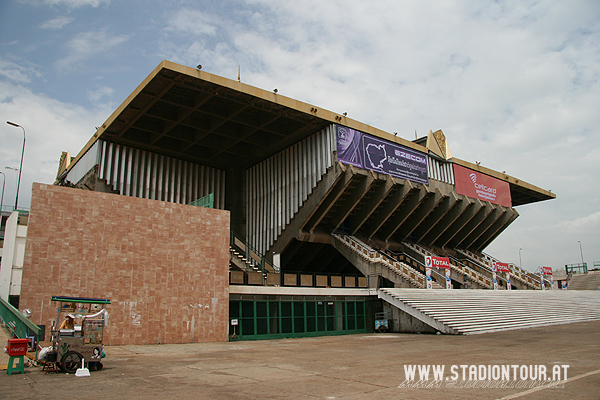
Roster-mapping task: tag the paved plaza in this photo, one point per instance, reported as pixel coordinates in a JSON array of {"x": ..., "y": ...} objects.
[{"x": 366, "y": 366}]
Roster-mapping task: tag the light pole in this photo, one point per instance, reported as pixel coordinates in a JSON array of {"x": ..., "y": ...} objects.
[
  {"x": 3, "y": 183},
  {"x": 581, "y": 250},
  {"x": 520, "y": 261},
  {"x": 21, "y": 166},
  {"x": 12, "y": 169}
]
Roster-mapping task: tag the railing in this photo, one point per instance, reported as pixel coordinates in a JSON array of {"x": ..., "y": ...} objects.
[
  {"x": 207, "y": 201},
  {"x": 16, "y": 322},
  {"x": 457, "y": 266},
  {"x": 577, "y": 268},
  {"x": 515, "y": 271},
  {"x": 369, "y": 254},
  {"x": 418, "y": 266},
  {"x": 253, "y": 258},
  {"x": 411, "y": 262},
  {"x": 486, "y": 261},
  {"x": 481, "y": 268}
]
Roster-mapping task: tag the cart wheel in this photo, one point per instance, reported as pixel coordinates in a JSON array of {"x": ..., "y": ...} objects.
[
  {"x": 71, "y": 361},
  {"x": 382, "y": 329},
  {"x": 99, "y": 366}
]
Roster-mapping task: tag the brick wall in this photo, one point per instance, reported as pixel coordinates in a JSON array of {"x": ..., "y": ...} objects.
[{"x": 164, "y": 266}]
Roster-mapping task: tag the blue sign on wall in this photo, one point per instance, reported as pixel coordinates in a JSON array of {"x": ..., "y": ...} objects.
[{"x": 369, "y": 152}]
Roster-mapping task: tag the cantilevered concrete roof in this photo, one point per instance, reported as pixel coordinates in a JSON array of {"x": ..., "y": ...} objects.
[
  {"x": 196, "y": 116},
  {"x": 204, "y": 118}
]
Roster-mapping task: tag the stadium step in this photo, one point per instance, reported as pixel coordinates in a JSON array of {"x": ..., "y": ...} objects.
[
  {"x": 589, "y": 281},
  {"x": 516, "y": 272},
  {"x": 470, "y": 312},
  {"x": 371, "y": 262},
  {"x": 245, "y": 258},
  {"x": 458, "y": 269}
]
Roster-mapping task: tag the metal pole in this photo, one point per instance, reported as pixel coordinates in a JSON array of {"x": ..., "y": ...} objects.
[
  {"x": 21, "y": 166},
  {"x": 3, "y": 183},
  {"x": 581, "y": 249},
  {"x": 520, "y": 261}
]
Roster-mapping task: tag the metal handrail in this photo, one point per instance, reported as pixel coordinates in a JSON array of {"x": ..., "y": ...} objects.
[
  {"x": 376, "y": 255},
  {"x": 457, "y": 266},
  {"x": 518, "y": 272},
  {"x": 422, "y": 269},
  {"x": 249, "y": 250},
  {"x": 487, "y": 280},
  {"x": 441, "y": 279},
  {"x": 16, "y": 322}
]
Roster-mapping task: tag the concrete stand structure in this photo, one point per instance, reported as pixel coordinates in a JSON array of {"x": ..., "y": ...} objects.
[{"x": 313, "y": 213}]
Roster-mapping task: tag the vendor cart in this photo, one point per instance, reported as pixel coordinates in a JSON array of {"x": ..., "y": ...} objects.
[{"x": 84, "y": 341}]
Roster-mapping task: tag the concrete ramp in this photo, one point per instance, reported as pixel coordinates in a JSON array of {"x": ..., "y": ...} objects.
[{"x": 468, "y": 312}]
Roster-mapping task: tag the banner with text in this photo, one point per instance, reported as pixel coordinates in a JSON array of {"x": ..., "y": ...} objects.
[
  {"x": 369, "y": 152},
  {"x": 547, "y": 270},
  {"x": 502, "y": 267},
  {"x": 437, "y": 262},
  {"x": 481, "y": 186}
]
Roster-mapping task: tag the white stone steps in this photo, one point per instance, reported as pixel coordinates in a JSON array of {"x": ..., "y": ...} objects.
[{"x": 480, "y": 311}]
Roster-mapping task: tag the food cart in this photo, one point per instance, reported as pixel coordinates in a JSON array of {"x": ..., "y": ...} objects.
[{"x": 84, "y": 341}]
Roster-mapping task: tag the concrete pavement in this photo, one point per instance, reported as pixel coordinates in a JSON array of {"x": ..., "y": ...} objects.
[{"x": 366, "y": 366}]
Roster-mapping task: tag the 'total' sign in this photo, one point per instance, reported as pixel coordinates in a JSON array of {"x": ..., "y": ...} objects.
[{"x": 437, "y": 262}]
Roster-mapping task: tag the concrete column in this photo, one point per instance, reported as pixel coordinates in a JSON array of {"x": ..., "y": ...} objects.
[
  {"x": 235, "y": 200},
  {"x": 13, "y": 252}
]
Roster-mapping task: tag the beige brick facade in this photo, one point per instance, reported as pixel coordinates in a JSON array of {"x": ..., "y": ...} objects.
[{"x": 164, "y": 266}]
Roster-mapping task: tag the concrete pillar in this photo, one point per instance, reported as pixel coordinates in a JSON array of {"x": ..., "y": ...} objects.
[
  {"x": 235, "y": 200},
  {"x": 13, "y": 254}
]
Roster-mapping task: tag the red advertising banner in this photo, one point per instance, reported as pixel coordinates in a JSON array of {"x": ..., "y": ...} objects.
[
  {"x": 437, "y": 262},
  {"x": 547, "y": 270},
  {"x": 481, "y": 186},
  {"x": 502, "y": 267}
]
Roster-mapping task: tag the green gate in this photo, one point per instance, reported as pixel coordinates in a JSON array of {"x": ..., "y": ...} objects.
[{"x": 273, "y": 319}]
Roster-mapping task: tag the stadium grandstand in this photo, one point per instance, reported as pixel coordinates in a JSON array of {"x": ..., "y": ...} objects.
[{"x": 331, "y": 220}]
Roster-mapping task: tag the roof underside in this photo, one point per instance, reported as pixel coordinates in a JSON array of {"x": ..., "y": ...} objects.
[
  {"x": 203, "y": 122},
  {"x": 522, "y": 195},
  {"x": 213, "y": 121}
]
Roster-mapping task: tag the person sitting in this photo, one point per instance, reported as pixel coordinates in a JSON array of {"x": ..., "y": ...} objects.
[{"x": 68, "y": 323}]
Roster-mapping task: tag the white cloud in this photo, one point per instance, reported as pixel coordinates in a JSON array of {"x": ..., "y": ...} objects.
[
  {"x": 513, "y": 85},
  {"x": 192, "y": 22},
  {"x": 75, "y": 3},
  {"x": 99, "y": 93},
  {"x": 18, "y": 73},
  {"x": 56, "y": 23},
  {"x": 51, "y": 127},
  {"x": 88, "y": 45},
  {"x": 586, "y": 225}
]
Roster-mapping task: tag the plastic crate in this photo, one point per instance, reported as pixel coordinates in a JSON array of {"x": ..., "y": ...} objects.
[{"x": 17, "y": 347}]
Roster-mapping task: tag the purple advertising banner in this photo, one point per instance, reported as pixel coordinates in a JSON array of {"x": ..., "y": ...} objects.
[{"x": 369, "y": 152}]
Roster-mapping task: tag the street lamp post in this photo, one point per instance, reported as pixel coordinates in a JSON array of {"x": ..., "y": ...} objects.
[
  {"x": 3, "y": 183},
  {"x": 21, "y": 166},
  {"x": 581, "y": 250},
  {"x": 520, "y": 261}
]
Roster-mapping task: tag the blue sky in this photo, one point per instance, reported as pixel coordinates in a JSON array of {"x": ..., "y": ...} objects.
[{"x": 513, "y": 84}]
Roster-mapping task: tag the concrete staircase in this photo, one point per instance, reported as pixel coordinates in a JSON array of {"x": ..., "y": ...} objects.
[
  {"x": 458, "y": 270},
  {"x": 241, "y": 262},
  {"x": 371, "y": 262},
  {"x": 527, "y": 279},
  {"x": 589, "y": 281},
  {"x": 468, "y": 312}
]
